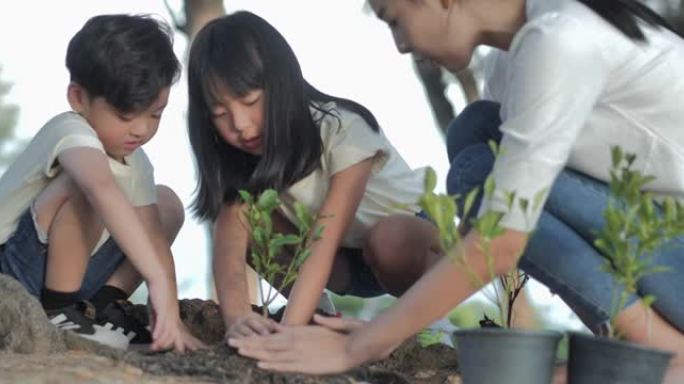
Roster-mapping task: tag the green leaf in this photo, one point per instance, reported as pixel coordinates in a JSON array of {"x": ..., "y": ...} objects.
[
  {"x": 616, "y": 153},
  {"x": 430, "y": 179},
  {"x": 648, "y": 300},
  {"x": 428, "y": 337},
  {"x": 489, "y": 187},
  {"x": 245, "y": 196},
  {"x": 469, "y": 201},
  {"x": 494, "y": 147},
  {"x": 539, "y": 198},
  {"x": 268, "y": 200}
]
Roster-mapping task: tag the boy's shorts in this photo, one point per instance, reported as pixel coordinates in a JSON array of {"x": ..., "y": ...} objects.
[{"x": 24, "y": 257}]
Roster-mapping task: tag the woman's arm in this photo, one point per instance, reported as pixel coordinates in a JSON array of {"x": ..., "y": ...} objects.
[
  {"x": 346, "y": 190},
  {"x": 318, "y": 350}
]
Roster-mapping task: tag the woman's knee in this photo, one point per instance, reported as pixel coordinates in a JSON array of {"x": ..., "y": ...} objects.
[
  {"x": 478, "y": 123},
  {"x": 468, "y": 171},
  {"x": 171, "y": 211}
]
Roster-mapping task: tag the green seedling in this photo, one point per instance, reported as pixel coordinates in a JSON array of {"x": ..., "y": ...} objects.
[
  {"x": 443, "y": 211},
  {"x": 635, "y": 228},
  {"x": 266, "y": 244}
]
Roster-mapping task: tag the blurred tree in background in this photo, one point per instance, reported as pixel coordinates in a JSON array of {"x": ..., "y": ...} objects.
[{"x": 8, "y": 120}]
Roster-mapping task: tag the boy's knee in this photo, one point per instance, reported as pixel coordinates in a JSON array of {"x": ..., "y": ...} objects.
[
  {"x": 61, "y": 196},
  {"x": 171, "y": 210}
]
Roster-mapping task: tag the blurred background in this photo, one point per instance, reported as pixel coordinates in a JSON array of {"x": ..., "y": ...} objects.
[{"x": 343, "y": 50}]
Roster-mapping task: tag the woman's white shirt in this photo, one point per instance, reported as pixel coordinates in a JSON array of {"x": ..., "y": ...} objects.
[{"x": 570, "y": 87}]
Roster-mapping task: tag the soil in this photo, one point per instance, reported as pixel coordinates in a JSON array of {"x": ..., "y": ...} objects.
[{"x": 410, "y": 363}]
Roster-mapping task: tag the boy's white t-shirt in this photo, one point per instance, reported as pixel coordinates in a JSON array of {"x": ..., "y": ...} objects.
[
  {"x": 37, "y": 166},
  {"x": 392, "y": 188}
]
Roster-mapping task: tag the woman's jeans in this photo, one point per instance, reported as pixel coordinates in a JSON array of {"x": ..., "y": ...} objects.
[{"x": 560, "y": 252}]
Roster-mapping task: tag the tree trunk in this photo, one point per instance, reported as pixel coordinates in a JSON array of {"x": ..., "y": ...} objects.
[
  {"x": 430, "y": 76},
  {"x": 199, "y": 12}
]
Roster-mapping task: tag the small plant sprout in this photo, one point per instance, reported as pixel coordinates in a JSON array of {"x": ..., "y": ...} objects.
[
  {"x": 635, "y": 228},
  {"x": 443, "y": 211},
  {"x": 266, "y": 244}
]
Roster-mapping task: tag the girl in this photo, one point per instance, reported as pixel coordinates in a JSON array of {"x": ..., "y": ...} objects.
[
  {"x": 255, "y": 123},
  {"x": 577, "y": 77}
]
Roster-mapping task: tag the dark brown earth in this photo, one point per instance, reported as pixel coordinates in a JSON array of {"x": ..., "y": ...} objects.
[{"x": 77, "y": 363}]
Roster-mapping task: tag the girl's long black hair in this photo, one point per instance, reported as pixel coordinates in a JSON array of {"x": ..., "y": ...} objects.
[
  {"x": 242, "y": 52},
  {"x": 625, "y": 15}
]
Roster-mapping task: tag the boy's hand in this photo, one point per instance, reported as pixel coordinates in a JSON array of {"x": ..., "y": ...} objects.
[
  {"x": 250, "y": 324},
  {"x": 168, "y": 331}
]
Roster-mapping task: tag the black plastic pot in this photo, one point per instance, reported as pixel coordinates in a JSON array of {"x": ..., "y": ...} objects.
[
  {"x": 495, "y": 355},
  {"x": 602, "y": 360}
]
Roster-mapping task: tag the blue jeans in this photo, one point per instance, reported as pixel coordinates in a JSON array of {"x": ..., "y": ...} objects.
[
  {"x": 560, "y": 252},
  {"x": 24, "y": 257}
]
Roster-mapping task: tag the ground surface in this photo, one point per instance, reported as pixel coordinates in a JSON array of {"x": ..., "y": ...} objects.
[
  {"x": 410, "y": 364},
  {"x": 75, "y": 363}
]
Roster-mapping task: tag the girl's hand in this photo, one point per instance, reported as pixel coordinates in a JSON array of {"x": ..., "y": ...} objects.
[
  {"x": 251, "y": 324},
  {"x": 168, "y": 331},
  {"x": 311, "y": 349}
]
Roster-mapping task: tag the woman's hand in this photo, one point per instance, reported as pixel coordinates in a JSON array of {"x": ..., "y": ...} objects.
[{"x": 312, "y": 349}]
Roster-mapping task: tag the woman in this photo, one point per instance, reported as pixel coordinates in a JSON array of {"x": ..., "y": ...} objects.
[{"x": 578, "y": 77}]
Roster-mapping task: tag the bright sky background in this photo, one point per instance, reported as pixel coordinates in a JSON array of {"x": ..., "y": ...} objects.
[{"x": 342, "y": 49}]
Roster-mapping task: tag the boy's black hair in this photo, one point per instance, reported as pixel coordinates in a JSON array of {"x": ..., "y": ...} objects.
[
  {"x": 626, "y": 14},
  {"x": 242, "y": 52},
  {"x": 127, "y": 59}
]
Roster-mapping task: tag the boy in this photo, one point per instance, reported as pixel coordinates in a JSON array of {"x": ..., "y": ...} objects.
[{"x": 84, "y": 177}]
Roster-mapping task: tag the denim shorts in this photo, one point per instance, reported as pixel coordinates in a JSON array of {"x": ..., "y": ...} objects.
[
  {"x": 24, "y": 257},
  {"x": 363, "y": 282}
]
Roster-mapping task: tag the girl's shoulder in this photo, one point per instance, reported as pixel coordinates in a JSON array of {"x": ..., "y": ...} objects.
[{"x": 335, "y": 119}]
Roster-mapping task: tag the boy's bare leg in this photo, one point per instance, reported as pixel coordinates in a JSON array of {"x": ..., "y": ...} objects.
[
  {"x": 172, "y": 216},
  {"x": 73, "y": 229},
  {"x": 400, "y": 249}
]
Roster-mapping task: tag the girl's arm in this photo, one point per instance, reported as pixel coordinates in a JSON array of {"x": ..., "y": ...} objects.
[
  {"x": 89, "y": 168},
  {"x": 320, "y": 350},
  {"x": 230, "y": 248},
  {"x": 229, "y": 261},
  {"x": 347, "y": 188}
]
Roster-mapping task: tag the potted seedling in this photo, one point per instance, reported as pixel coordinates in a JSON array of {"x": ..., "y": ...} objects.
[
  {"x": 266, "y": 244},
  {"x": 495, "y": 353},
  {"x": 635, "y": 227}
]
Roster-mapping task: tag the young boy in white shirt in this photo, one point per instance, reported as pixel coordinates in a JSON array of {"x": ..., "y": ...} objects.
[{"x": 84, "y": 177}]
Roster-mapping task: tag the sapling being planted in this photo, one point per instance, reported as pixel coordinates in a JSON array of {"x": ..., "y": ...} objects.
[
  {"x": 635, "y": 228},
  {"x": 266, "y": 244},
  {"x": 443, "y": 211}
]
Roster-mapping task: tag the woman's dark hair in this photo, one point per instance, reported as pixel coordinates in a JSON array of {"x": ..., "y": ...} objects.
[
  {"x": 242, "y": 52},
  {"x": 127, "y": 59},
  {"x": 625, "y": 14}
]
